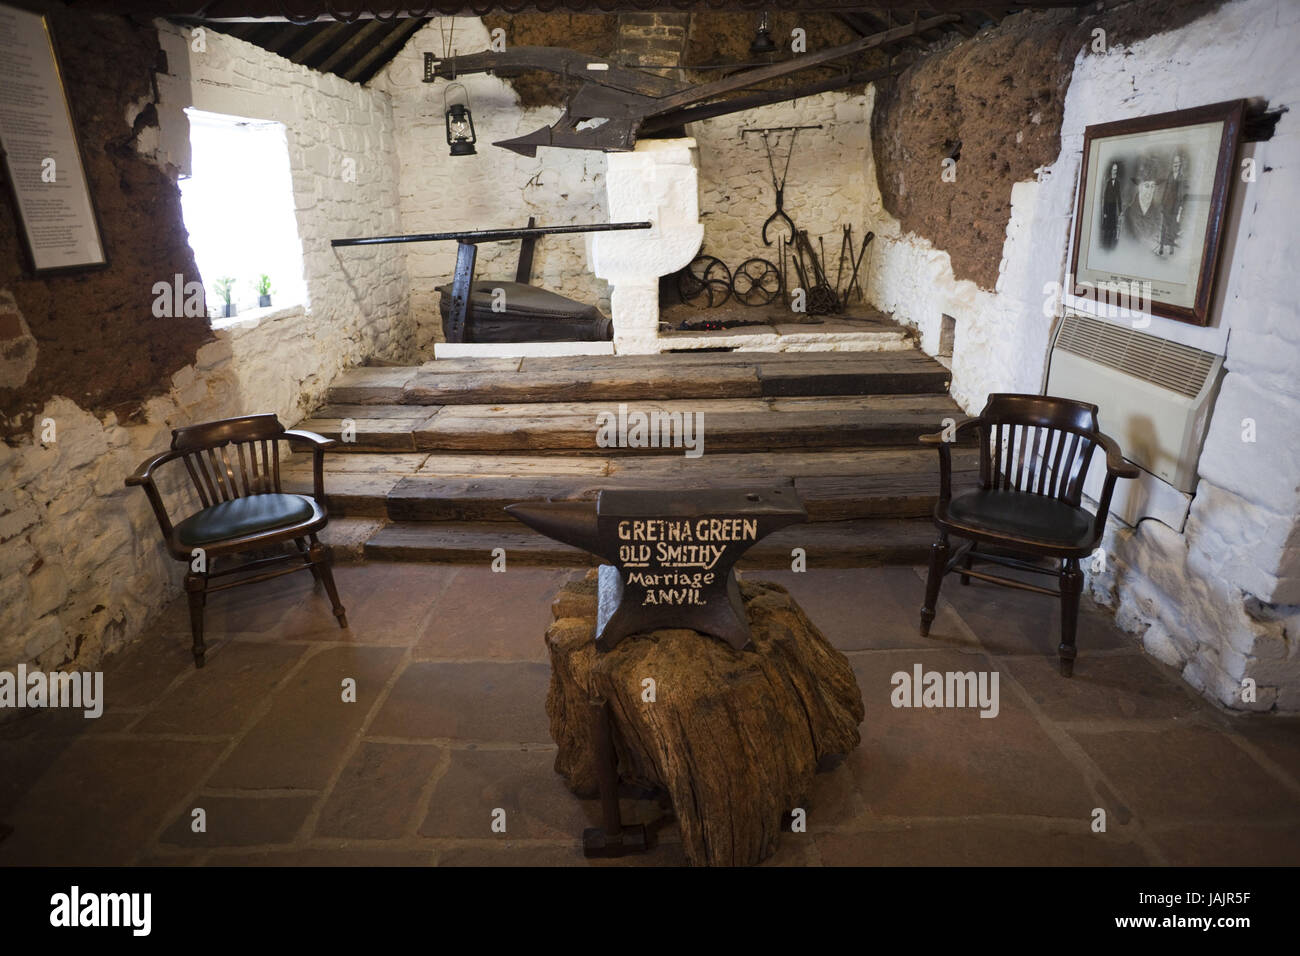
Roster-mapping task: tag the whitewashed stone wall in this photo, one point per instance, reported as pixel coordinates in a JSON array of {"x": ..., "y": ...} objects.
[
  {"x": 496, "y": 188},
  {"x": 337, "y": 132},
  {"x": 827, "y": 186},
  {"x": 82, "y": 568},
  {"x": 1218, "y": 599}
]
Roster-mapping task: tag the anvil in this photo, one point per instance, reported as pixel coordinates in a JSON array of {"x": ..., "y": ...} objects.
[{"x": 671, "y": 554}]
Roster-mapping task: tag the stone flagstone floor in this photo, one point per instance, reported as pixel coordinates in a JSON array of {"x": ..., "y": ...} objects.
[{"x": 449, "y": 724}]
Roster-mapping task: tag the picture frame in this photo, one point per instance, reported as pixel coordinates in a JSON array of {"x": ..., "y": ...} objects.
[
  {"x": 1149, "y": 218},
  {"x": 44, "y": 164}
]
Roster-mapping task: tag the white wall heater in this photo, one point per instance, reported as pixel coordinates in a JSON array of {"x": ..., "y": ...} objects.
[{"x": 1154, "y": 397}]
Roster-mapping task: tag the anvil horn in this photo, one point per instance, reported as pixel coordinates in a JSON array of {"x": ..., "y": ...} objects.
[{"x": 573, "y": 522}]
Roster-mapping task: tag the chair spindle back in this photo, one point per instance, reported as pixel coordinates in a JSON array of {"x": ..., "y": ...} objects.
[
  {"x": 214, "y": 450},
  {"x": 1037, "y": 444}
]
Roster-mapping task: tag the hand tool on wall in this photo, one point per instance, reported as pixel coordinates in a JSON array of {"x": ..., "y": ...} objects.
[
  {"x": 853, "y": 280},
  {"x": 778, "y": 183}
]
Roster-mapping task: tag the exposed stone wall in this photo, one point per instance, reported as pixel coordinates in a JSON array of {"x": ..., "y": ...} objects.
[
  {"x": 72, "y": 318},
  {"x": 1219, "y": 598},
  {"x": 652, "y": 38},
  {"x": 993, "y": 106},
  {"x": 828, "y": 185},
  {"x": 594, "y": 33},
  {"x": 82, "y": 568}
]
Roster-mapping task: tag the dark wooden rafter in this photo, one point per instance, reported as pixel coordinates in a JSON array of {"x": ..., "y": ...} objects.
[
  {"x": 283, "y": 35},
  {"x": 383, "y": 51},
  {"x": 321, "y": 10},
  {"x": 866, "y": 24},
  {"x": 324, "y": 37},
  {"x": 367, "y": 33}
]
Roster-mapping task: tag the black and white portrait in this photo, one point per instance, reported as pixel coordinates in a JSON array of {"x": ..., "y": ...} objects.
[{"x": 1150, "y": 205}]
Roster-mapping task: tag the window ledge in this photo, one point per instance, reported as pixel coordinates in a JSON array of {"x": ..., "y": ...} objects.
[{"x": 246, "y": 321}]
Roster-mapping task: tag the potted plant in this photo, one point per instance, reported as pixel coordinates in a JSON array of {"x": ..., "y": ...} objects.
[
  {"x": 225, "y": 287},
  {"x": 263, "y": 286}
]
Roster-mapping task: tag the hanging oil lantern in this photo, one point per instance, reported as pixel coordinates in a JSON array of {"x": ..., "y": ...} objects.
[
  {"x": 763, "y": 42},
  {"x": 460, "y": 122}
]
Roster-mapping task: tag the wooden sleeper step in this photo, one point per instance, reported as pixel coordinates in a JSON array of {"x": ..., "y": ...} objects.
[{"x": 838, "y": 544}]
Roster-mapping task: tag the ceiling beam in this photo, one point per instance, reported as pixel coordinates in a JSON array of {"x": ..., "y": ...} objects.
[
  {"x": 325, "y": 36},
  {"x": 383, "y": 50},
  {"x": 865, "y": 24},
  {"x": 235, "y": 10},
  {"x": 360, "y": 36},
  {"x": 286, "y": 32}
]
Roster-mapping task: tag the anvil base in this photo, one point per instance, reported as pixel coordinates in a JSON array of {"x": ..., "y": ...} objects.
[{"x": 597, "y": 844}]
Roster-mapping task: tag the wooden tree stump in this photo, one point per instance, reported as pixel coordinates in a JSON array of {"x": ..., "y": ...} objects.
[{"x": 732, "y": 737}]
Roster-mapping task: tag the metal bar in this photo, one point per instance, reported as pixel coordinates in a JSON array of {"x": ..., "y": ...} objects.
[
  {"x": 491, "y": 235},
  {"x": 462, "y": 284},
  {"x": 524, "y": 271},
  {"x": 606, "y": 771},
  {"x": 777, "y": 129}
]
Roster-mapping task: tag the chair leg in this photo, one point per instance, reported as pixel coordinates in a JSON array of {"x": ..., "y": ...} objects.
[
  {"x": 196, "y": 587},
  {"x": 938, "y": 558},
  {"x": 320, "y": 562},
  {"x": 1071, "y": 588},
  {"x": 965, "y": 578},
  {"x": 306, "y": 557}
]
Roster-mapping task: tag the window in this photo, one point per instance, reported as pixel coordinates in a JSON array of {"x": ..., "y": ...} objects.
[{"x": 239, "y": 210}]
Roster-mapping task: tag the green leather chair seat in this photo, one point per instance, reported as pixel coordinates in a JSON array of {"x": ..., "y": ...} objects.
[
  {"x": 1038, "y": 517},
  {"x": 243, "y": 516}
]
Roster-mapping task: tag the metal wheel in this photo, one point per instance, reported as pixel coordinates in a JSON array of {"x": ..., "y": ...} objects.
[
  {"x": 756, "y": 282},
  {"x": 705, "y": 283}
]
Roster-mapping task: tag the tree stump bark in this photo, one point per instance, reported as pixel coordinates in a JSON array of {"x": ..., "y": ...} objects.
[{"x": 732, "y": 737}]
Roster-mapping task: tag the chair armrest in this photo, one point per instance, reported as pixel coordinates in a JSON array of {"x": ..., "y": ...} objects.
[
  {"x": 318, "y": 445},
  {"x": 1116, "y": 467},
  {"x": 937, "y": 437},
  {"x": 945, "y": 453},
  {"x": 1115, "y": 463},
  {"x": 143, "y": 476}
]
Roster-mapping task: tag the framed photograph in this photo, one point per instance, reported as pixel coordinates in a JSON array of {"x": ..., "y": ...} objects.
[
  {"x": 1152, "y": 196},
  {"x": 42, "y": 158}
]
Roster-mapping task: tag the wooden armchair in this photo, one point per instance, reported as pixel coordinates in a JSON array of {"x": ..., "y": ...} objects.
[
  {"x": 1034, "y": 454},
  {"x": 243, "y": 510}
]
